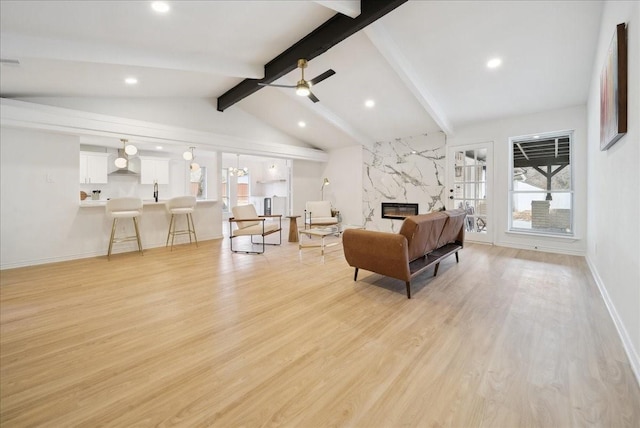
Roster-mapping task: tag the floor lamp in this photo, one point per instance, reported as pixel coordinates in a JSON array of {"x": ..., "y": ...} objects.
[{"x": 324, "y": 183}]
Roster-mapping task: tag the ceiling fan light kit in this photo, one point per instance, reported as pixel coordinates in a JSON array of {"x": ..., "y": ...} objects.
[{"x": 303, "y": 87}]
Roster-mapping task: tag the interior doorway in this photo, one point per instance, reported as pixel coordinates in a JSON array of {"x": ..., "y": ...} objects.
[{"x": 260, "y": 181}]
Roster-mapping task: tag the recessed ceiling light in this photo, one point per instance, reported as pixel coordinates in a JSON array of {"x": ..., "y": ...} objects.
[
  {"x": 536, "y": 136},
  {"x": 369, "y": 103},
  {"x": 160, "y": 6},
  {"x": 302, "y": 124},
  {"x": 130, "y": 80},
  {"x": 494, "y": 63},
  {"x": 158, "y": 147}
]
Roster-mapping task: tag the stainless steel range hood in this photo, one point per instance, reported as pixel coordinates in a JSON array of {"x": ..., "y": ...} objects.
[{"x": 127, "y": 170}]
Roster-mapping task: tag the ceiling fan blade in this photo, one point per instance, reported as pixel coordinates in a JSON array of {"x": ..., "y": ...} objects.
[
  {"x": 321, "y": 77},
  {"x": 313, "y": 97},
  {"x": 277, "y": 86}
]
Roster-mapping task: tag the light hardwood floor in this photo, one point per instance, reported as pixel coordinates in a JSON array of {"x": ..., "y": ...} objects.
[{"x": 202, "y": 337}]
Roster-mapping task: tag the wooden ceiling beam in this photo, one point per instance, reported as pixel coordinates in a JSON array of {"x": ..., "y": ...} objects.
[{"x": 320, "y": 40}]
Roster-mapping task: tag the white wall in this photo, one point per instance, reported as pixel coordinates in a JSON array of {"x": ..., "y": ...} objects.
[
  {"x": 499, "y": 131},
  {"x": 306, "y": 183},
  {"x": 40, "y": 217},
  {"x": 344, "y": 171},
  {"x": 614, "y": 188}
]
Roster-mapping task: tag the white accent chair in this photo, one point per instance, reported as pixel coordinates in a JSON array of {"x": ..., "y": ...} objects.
[
  {"x": 318, "y": 213},
  {"x": 181, "y": 205},
  {"x": 118, "y": 208},
  {"x": 249, "y": 223}
]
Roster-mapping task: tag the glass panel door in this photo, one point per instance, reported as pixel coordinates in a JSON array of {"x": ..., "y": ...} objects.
[{"x": 470, "y": 177}]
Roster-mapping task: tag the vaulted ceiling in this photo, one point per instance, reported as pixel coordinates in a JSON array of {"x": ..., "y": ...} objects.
[{"x": 424, "y": 63}]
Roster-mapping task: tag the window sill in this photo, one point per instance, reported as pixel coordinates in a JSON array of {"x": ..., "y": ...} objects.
[{"x": 571, "y": 238}]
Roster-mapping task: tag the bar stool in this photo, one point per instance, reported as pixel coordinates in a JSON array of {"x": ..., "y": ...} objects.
[
  {"x": 181, "y": 205},
  {"x": 118, "y": 208}
]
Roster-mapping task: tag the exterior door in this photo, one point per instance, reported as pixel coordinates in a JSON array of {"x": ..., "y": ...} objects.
[{"x": 470, "y": 174}]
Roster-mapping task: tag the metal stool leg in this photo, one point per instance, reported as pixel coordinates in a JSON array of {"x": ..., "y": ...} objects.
[
  {"x": 113, "y": 232},
  {"x": 135, "y": 223},
  {"x": 169, "y": 233},
  {"x": 193, "y": 228},
  {"x": 189, "y": 228}
]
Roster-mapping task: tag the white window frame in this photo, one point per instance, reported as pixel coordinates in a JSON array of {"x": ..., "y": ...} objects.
[{"x": 571, "y": 191}]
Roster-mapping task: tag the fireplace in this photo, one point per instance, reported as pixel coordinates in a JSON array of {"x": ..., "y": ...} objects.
[{"x": 398, "y": 210}]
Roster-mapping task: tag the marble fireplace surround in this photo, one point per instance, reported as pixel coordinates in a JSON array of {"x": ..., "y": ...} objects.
[{"x": 403, "y": 170}]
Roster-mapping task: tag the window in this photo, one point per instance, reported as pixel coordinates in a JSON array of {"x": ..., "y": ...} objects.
[
  {"x": 198, "y": 182},
  {"x": 243, "y": 190},
  {"x": 542, "y": 184},
  {"x": 234, "y": 190},
  {"x": 224, "y": 189}
]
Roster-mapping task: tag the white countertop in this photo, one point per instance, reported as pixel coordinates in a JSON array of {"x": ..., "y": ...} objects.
[{"x": 90, "y": 203}]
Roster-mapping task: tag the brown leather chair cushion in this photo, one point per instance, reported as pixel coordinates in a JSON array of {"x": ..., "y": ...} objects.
[
  {"x": 453, "y": 230},
  {"x": 423, "y": 232}
]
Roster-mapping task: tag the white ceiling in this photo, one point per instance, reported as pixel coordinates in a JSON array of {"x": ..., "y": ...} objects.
[{"x": 423, "y": 63}]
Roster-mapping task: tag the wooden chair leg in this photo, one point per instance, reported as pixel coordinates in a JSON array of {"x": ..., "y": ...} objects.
[
  {"x": 355, "y": 275},
  {"x": 408, "y": 283},
  {"x": 457, "y": 259},
  {"x": 436, "y": 270}
]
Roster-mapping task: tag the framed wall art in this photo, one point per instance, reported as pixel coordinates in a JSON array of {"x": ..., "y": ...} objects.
[{"x": 613, "y": 90}]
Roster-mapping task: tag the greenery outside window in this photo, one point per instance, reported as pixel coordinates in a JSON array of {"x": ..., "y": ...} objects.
[{"x": 541, "y": 185}]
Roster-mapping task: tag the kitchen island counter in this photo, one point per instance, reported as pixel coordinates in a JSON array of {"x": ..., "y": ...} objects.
[
  {"x": 92, "y": 225},
  {"x": 90, "y": 203}
]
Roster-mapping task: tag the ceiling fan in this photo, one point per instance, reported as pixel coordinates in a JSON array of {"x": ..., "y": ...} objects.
[{"x": 303, "y": 87}]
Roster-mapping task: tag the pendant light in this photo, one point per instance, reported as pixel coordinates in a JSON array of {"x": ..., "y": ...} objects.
[
  {"x": 124, "y": 153},
  {"x": 189, "y": 156},
  {"x": 237, "y": 171},
  {"x": 130, "y": 149}
]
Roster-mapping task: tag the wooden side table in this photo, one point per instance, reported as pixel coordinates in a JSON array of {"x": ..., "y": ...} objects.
[{"x": 293, "y": 228}]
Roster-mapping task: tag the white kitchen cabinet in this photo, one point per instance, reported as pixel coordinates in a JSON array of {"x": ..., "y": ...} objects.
[
  {"x": 93, "y": 168},
  {"x": 154, "y": 170}
]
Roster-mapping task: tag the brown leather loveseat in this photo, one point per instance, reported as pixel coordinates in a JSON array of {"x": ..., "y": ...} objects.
[{"x": 423, "y": 241}]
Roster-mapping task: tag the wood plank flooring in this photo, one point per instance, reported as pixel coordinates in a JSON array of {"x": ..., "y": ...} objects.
[{"x": 202, "y": 337}]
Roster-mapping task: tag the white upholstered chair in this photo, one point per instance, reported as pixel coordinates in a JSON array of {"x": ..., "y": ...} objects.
[
  {"x": 249, "y": 223},
  {"x": 318, "y": 213},
  {"x": 118, "y": 208},
  {"x": 181, "y": 205}
]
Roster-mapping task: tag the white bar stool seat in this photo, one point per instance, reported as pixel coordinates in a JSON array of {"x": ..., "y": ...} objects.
[
  {"x": 181, "y": 205},
  {"x": 118, "y": 208}
]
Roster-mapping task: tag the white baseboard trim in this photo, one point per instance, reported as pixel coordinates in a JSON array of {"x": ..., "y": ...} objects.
[
  {"x": 629, "y": 349},
  {"x": 68, "y": 257},
  {"x": 543, "y": 248}
]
